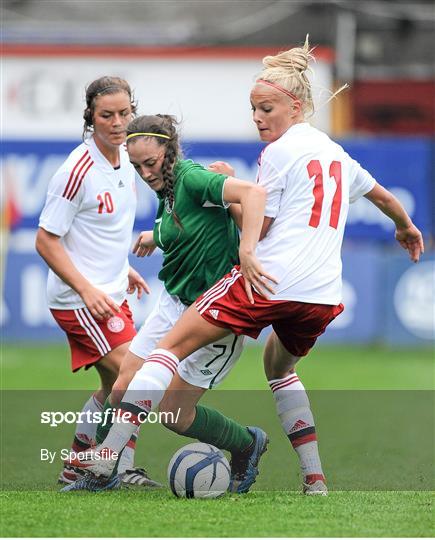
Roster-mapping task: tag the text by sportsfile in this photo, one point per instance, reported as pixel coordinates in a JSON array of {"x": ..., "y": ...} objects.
[{"x": 66, "y": 454}]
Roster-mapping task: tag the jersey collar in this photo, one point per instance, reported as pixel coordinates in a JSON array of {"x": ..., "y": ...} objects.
[{"x": 98, "y": 157}]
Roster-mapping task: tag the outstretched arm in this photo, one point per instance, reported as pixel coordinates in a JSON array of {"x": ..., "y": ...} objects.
[{"x": 407, "y": 234}]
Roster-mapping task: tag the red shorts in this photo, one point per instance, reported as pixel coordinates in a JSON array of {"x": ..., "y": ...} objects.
[
  {"x": 90, "y": 339},
  {"x": 297, "y": 324}
]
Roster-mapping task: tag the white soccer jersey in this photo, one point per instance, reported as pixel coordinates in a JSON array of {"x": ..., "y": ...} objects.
[
  {"x": 310, "y": 181},
  {"x": 91, "y": 206}
]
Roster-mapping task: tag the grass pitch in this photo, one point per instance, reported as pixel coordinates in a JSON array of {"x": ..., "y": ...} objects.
[
  {"x": 136, "y": 513},
  {"x": 374, "y": 504}
]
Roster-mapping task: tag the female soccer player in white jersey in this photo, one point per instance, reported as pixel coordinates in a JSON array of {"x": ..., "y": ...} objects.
[
  {"x": 310, "y": 182},
  {"x": 84, "y": 236}
]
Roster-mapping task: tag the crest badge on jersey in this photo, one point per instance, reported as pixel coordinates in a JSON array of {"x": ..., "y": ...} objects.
[{"x": 115, "y": 324}]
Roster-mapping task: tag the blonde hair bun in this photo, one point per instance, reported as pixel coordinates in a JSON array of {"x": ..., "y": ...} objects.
[{"x": 296, "y": 59}]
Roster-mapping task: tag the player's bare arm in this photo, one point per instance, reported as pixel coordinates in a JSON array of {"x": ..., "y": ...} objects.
[
  {"x": 252, "y": 199},
  {"x": 48, "y": 245},
  {"x": 407, "y": 234},
  {"x": 223, "y": 167}
]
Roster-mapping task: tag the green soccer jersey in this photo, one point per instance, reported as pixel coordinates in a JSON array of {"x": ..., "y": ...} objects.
[{"x": 205, "y": 247}]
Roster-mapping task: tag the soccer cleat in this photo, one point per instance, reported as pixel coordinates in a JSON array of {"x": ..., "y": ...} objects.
[
  {"x": 68, "y": 475},
  {"x": 316, "y": 488},
  {"x": 138, "y": 477},
  {"x": 244, "y": 470},
  {"x": 90, "y": 482},
  {"x": 99, "y": 461}
]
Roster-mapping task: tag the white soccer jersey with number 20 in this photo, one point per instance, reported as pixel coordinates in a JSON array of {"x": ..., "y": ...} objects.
[
  {"x": 91, "y": 206},
  {"x": 310, "y": 181}
]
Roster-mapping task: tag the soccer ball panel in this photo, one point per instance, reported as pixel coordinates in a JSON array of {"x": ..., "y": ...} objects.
[{"x": 199, "y": 470}]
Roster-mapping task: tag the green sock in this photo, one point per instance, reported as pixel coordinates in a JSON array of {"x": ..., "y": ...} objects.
[
  {"x": 104, "y": 426},
  {"x": 211, "y": 426},
  {"x": 103, "y": 430}
]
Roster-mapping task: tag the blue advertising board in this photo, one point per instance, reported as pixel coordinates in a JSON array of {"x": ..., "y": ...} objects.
[
  {"x": 410, "y": 292},
  {"x": 405, "y": 166},
  {"x": 387, "y": 298},
  {"x": 375, "y": 311}
]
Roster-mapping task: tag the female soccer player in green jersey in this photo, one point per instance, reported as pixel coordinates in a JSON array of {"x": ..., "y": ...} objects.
[{"x": 200, "y": 243}]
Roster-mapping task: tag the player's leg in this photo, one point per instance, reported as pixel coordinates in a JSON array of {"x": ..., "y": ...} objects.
[
  {"x": 190, "y": 333},
  {"x": 150, "y": 382},
  {"x": 294, "y": 412},
  {"x": 182, "y": 414},
  {"x": 159, "y": 321},
  {"x": 122, "y": 463},
  {"x": 109, "y": 368},
  {"x": 105, "y": 344},
  {"x": 154, "y": 377},
  {"x": 88, "y": 345},
  {"x": 86, "y": 430},
  {"x": 129, "y": 365}
]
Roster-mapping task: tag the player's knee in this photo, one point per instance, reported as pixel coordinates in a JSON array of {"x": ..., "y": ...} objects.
[
  {"x": 278, "y": 368},
  {"x": 278, "y": 361}
]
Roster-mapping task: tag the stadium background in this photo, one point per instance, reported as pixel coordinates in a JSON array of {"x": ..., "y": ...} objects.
[{"x": 197, "y": 60}]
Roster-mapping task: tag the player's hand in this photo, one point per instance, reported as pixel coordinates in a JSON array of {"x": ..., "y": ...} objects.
[
  {"x": 99, "y": 303},
  {"x": 411, "y": 239},
  {"x": 221, "y": 167},
  {"x": 255, "y": 276},
  {"x": 144, "y": 245},
  {"x": 137, "y": 283}
]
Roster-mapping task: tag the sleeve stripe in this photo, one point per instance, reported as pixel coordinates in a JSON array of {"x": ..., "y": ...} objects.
[
  {"x": 73, "y": 175},
  {"x": 79, "y": 183}
]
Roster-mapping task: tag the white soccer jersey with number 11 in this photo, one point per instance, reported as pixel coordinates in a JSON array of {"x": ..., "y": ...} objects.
[
  {"x": 91, "y": 206},
  {"x": 310, "y": 181}
]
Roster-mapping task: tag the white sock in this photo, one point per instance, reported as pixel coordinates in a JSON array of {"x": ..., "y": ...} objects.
[
  {"x": 294, "y": 411},
  {"x": 126, "y": 461},
  {"x": 86, "y": 430},
  {"x": 143, "y": 394}
]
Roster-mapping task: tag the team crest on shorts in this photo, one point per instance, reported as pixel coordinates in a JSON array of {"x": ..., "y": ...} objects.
[{"x": 115, "y": 324}]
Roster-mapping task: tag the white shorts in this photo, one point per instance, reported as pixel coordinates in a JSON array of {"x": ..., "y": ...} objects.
[{"x": 206, "y": 367}]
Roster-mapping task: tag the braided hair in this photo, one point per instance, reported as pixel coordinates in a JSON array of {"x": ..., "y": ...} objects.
[
  {"x": 101, "y": 87},
  {"x": 163, "y": 124}
]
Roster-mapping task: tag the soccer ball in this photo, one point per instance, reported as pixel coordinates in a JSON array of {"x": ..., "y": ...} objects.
[{"x": 199, "y": 471}]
